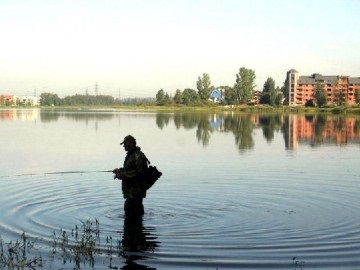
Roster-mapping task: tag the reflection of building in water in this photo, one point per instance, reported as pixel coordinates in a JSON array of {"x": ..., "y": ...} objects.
[
  {"x": 290, "y": 128},
  {"x": 320, "y": 129},
  {"x": 217, "y": 122},
  {"x": 342, "y": 131},
  {"x": 23, "y": 114}
]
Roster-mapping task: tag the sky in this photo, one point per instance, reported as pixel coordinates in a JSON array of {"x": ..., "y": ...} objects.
[{"x": 134, "y": 48}]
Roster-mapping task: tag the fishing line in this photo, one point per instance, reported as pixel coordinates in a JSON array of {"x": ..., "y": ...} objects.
[{"x": 52, "y": 173}]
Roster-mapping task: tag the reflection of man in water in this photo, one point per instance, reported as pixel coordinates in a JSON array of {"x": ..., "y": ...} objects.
[
  {"x": 136, "y": 241},
  {"x": 134, "y": 165}
]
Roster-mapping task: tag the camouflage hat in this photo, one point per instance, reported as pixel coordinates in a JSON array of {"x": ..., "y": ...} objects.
[{"x": 128, "y": 138}]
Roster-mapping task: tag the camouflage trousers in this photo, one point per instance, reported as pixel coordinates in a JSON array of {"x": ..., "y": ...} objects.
[{"x": 134, "y": 207}]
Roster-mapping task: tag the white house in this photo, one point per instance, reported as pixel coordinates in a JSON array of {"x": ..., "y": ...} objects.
[{"x": 30, "y": 100}]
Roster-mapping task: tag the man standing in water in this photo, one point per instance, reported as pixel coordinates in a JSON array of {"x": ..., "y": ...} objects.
[{"x": 135, "y": 164}]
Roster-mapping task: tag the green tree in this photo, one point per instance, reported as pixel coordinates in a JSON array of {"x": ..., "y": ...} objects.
[
  {"x": 190, "y": 96},
  {"x": 269, "y": 92},
  {"x": 320, "y": 95},
  {"x": 89, "y": 100},
  {"x": 279, "y": 96},
  {"x": 269, "y": 85},
  {"x": 167, "y": 98},
  {"x": 203, "y": 86},
  {"x": 245, "y": 84},
  {"x": 161, "y": 97},
  {"x": 49, "y": 99},
  {"x": 357, "y": 96},
  {"x": 178, "y": 97},
  {"x": 229, "y": 94}
]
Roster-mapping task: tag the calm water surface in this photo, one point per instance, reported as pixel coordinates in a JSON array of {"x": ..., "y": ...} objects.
[{"x": 237, "y": 192}]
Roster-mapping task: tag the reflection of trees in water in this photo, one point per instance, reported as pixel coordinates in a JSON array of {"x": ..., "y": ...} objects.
[
  {"x": 188, "y": 121},
  {"x": 242, "y": 127},
  {"x": 204, "y": 130},
  {"x": 162, "y": 120},
  {"x": 53, "y": 115},
  {"x": 270, "y": 124},
  {"x": 319, "y": 124},
  {"x": 357, "y": 126},
  {"x": 49, "y": 116},
  {"x": 314, "y": 129},
  {"x": 339, "y": 123}
]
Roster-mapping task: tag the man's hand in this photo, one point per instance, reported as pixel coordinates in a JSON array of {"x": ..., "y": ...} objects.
[{"x": 118, "y": 173}]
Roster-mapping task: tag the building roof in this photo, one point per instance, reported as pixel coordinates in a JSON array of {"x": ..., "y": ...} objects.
[
  {"x": 315, "y": 78},
  {"x": 6, "y": 96},
  {"x": 354, "y": 80},
  {"x": 293, "y": 71},
  {"x": 216, "y": 93}
]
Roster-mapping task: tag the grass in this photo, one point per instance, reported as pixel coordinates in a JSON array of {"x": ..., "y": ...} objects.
[
  {"x": 14, "y": 255},
  {"x": 79, "y": 247},
  {"x": 210, "y": 107}
]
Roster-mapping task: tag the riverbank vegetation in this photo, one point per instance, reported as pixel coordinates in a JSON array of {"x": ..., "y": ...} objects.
[
  {"x": 239, "y": 97},
  {"x": 148, "y": 106},
  {"x": 79, "y": 247}
]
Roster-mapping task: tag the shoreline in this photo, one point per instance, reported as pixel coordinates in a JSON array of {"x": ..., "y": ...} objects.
[{"x": 215, "y": 108}]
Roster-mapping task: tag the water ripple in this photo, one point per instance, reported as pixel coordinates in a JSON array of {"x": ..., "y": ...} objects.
[{"x": 205, "y": 224}]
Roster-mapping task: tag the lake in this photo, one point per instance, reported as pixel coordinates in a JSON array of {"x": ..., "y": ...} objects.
[{"x": 238, "y": 191}]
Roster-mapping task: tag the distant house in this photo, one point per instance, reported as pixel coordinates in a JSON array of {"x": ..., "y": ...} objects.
[
  {"x": 30, "y": 100},
  {"x": 6, "y": 99},
  {"x": 216, "y": 96},
  {"x": 256, "y": 98}
]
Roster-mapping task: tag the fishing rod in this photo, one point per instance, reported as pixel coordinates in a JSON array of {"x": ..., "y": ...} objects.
[{"x": 54, "y": 173}]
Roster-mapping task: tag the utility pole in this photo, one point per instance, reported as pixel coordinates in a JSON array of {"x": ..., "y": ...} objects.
[{"x": 96, "y": 89}]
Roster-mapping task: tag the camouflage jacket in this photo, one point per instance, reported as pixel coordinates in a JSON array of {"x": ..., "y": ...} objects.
[{"x": 134, "y": 165}]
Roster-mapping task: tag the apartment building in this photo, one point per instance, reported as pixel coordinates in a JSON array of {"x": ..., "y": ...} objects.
[
  {"x": 338, "y": 89},
  {"x": 19, "y": 100}
]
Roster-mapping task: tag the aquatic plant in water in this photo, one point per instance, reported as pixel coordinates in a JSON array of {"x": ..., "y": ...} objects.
[
  {"x": 299, "y": 265},
  {"x": 13, "y": 255},
  {"x": 79, "y": 246},
  {"x": 82, "y": 245}
]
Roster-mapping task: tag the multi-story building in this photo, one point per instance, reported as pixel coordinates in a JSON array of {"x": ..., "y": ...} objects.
[
  {"x": 338, "y": 89},
  {"x": 19, "y": 100},
  {"x": 6, "y": 100},
  {"x": 30, "y": 100}
]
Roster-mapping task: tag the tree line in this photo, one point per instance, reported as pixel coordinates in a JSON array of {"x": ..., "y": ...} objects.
[
  {"x": 50, "y": 99},
  {"x": 243, "y": 126},
  {"x": 242, "y": 92}
]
